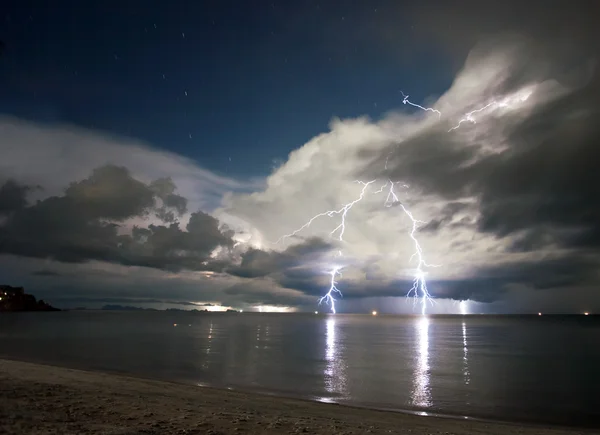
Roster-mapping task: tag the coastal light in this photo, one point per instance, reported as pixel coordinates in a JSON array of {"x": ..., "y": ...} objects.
[
  {"x": 374, "y": 313},
  {"x": 586, "y": 314},
  {"x": 274, "y": 309},
  {"x": 316, "y": 312},
  {"x": 539, "y": 314}
]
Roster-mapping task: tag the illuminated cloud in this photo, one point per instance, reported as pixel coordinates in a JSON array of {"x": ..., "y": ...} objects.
[
  {"x": 512, "y": 188},
  {"x": 52, "y": 156},
  {"x": 509, "y": 200}
]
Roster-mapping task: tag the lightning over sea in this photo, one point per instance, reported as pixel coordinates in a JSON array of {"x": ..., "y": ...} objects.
[
  {"x": 419, "y": 290},
  {"x": 340, "y": 230}
]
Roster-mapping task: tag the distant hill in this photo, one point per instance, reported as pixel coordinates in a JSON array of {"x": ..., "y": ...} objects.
[
  {"x": 15, "y": 299},
  {"x": 132, "y": 308},
  {"x": 125, "y": 308}
]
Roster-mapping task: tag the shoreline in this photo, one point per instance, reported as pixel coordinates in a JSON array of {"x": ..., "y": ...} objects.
[
  {"x": 281, "y": 394},
  {"x": 36, "y": 398}
]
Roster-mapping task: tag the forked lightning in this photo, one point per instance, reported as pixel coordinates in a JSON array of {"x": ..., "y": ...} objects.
[{"x": 419, "y": 289}]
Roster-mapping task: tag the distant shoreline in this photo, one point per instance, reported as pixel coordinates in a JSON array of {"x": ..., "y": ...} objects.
[
  {"x": 14, "y": 299},
  {"x": 135, "y": 309},
  {"x": 50, "y": 398}
]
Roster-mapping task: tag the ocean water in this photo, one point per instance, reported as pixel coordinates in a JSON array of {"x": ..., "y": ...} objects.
[{"x": 539, "y": 369}]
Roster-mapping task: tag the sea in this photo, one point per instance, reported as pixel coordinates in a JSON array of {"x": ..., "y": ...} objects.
[{"x": 538, "y": 369}]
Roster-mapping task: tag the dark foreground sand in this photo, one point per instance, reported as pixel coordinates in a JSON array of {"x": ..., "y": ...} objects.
[{"x": 37, "y": 399}]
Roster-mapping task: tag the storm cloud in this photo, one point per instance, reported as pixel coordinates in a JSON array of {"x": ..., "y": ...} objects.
[
  {"x": 502, "y": 177},
  {"x": 88, "y": 221}
]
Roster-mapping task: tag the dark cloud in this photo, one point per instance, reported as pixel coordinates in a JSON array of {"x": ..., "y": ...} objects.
[
  {"x": 491, "y": 282},
  {"x": 85, "y": 224},
  {"x": 547, "y": 186},
  {"x": 310, "y": 281},
  {"x": 446, "y": 217},
  {"x": 45, "y": 272},
  {"x": 257, "y": 263},
  {"x": 13, "y": 197},
  {"x": 88, "y": 222},
  {"x": 109, "y": 193},
  {"x": 557, "y": 26},
  {"x": 129, "y": 301},
  {"x": 433, "y": 160},
  {"x": 173, "y": 205},
  {"x": 169, "y": 247},
  {"x": 263, "y": 292},
  {"x": 486, "y": 284},
  {"x": 70, "y": 301},
  {"x": 540, "y": 192}
]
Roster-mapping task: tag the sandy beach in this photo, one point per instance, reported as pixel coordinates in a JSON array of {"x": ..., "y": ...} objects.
[{"x": 39, "y": 399}]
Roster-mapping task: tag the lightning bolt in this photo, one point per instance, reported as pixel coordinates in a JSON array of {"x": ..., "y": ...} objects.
[
  {"x": 419, "y": 289},
  {"x": 509, "y": 101},
  {"x": 342, "y": 212},
  {"x": 469, "y": 116},
  {"x": 405, "y": 101},
  {"x": 328, "y": 298},
  {"x": 426, "y": 109},
  {"x": 340, "y": 229}
]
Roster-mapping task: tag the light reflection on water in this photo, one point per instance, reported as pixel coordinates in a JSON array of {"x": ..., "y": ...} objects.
[
  {"x": 335, "y": 376},
  {"x": 209, "y": 340},
  {"x": 421, "y": 394},
  {"x": 470, "y": 365},
  {"x": 466, "y": 374}
]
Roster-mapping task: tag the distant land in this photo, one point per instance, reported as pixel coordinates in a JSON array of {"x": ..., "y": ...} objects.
[
  {"x": 124, "y": 308},
  {"x": 132, "y": 308},
  {"x": 15, "y": 299},
  {"x": 116, "y": 307}
]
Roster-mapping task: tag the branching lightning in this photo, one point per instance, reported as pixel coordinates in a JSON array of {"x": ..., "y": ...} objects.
[
  {"x": 495, "y": 104},
  {"x": 469, "y": 116},
  {"x": 343, "y": 212},
  {"x": 328, "y": 298},
  {"x": 426, "y": 109},
  {"x": 419, "y": 289},
  {"x": 340, "y": 229}
]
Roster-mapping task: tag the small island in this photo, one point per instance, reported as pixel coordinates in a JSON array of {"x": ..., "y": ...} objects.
[{"x": 15, "y": 299}]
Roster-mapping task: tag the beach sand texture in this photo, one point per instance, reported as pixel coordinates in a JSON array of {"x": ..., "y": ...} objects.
[{"x": 39, "y": 399}]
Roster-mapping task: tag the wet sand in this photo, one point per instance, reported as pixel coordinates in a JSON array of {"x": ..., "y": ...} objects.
[{"x": 39, "y": 399}]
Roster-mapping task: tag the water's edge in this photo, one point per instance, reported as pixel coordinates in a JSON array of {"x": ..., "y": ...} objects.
[{"x": 265, "y": 392}]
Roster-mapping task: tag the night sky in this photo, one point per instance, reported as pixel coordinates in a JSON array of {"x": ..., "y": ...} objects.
[
  {"x": 154, "y": 152},
  {"x": 246, "y": 80}
]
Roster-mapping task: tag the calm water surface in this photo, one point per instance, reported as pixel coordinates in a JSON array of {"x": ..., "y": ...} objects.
[{"x": 527, "y": 368}]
